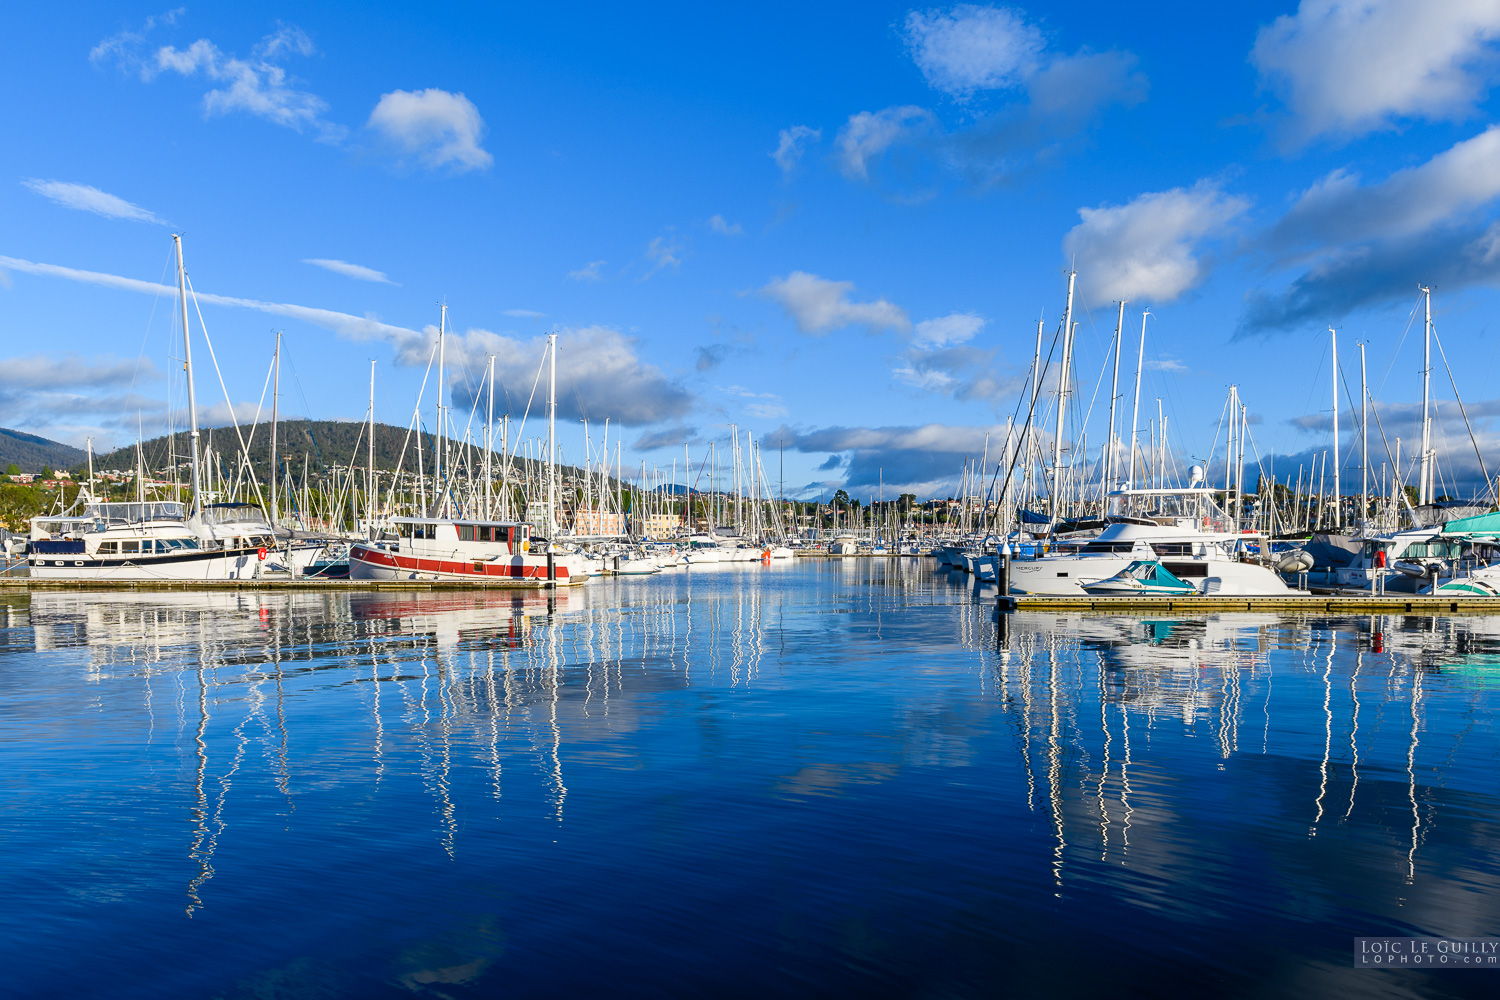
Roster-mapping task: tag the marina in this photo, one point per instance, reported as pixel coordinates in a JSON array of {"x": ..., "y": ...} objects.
[
  {"x": 843, "y": 500},
  {"x": 441, "y": 792}
]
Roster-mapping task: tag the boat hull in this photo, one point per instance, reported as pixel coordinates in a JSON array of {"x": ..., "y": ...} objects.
[
  {"x": 185, "y": 566},
  {"x": 368, "y": 562}
]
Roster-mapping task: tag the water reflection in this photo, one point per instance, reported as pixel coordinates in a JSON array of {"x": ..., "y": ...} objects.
[{"x": 818, "y": 715}]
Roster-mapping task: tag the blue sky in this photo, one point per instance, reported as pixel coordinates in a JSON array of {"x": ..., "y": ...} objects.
[{"x": 835, "y": 228}]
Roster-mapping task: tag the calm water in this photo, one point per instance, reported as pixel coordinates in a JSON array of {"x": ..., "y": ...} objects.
[{"x": 826, "y": 778}]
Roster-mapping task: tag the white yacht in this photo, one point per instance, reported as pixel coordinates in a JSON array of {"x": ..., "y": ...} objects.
[
  {"x": 139, "y": 541},
  {"x": 1183, "y": 529},
  {"x": 843, "y": 545}
]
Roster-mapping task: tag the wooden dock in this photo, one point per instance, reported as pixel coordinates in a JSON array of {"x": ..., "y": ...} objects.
[
  {"x": 1347, "y": 604},
  {"x": 14, "y": 584}
]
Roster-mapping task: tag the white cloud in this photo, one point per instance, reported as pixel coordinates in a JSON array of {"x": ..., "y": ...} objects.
[
  {"x": 344, "y": 324},
  {"x": 524, "y": 313},
  {"x": 959, "y": 370},
  {"x": 258, "y": 85},
  {"x": 725, "y": 228},
  {"x": 818, "y": 305},
  {"x": 664, "y": 252},
  {"x": 1171, "y": 365},
  {"x": 1452, "y": 183},
  {"x": 71, "y": 370},
  {"x": 969, "y": 48},
  {"x": 356, "y": 271},
  {"x": 125, "y": 46},
  {"x": 868, "y": 134},
  {"x": 761, "y": 405},
  {"x": 928, "y": 380},
  {"x": 599, "y": 372},
  {"x": 91, "y": 199},
  {"x": 920, "y": 459},
  {"x": 790, "y": 144},
  {"x": 1147, "y": 249},
  {"x": 1347, "y": 67},
  {"x": 589, "y": 271},
  {"x": 438, "y": 128},
  {"x": 943, "y": 331}
]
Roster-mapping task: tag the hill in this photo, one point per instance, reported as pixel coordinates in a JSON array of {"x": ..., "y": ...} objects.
[
  {"x": 33, "y": 453},
  {"x": 325, "y": 443}
]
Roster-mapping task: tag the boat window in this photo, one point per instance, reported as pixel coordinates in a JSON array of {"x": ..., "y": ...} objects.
[
  {"x": 466, "y": 533},
  {"x": 403, "y": 530},
  {"x": 1172, "y": 548},
  {"x": 108, "y": 548},
  {"x": 131, "y": 546},
  {"x": 1436, "y": 549},
  {"x": 1108, "y": 547}
]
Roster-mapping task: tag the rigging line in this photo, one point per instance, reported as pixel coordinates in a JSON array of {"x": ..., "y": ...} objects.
[
  {"x": 520, "y": 432},
  {"x": 150, "y": 320},
  {"x": 1395, "y": 468},
  {"x": 1031, "y": 411},
  {"x": 1461, "y": 409},
  {"x": 1313, "y": 382},
  {"x": 1213, "y": 448},
  {"x": 1410, "y": 319},
  {"x": 222, "y": 387},
  {"x": 1353, "y": 411},
  {"x": 1167, "y": 392},
  {"x": 415, "y": 425},
  {"x": 259, "y": 405}
]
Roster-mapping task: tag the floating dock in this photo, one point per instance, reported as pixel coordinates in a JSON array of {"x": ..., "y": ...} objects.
[
  {"x": 12, "y": 584},
  {"x": 1349, "y": 604}
]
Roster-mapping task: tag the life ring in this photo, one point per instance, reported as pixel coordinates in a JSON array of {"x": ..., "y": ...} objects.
[
  {"x": 260, "y": 553},
  {"x": 526, "y": 546}
]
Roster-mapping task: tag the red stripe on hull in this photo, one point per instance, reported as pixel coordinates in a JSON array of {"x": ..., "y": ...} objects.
[{"x": 396, "y": 563}]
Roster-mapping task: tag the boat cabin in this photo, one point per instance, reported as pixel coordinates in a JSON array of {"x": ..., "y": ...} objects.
[{"x": 421, "y": 534}]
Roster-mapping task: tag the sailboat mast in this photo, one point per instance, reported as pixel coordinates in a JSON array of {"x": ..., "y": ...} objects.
[
  {"x": 1424, "y": 487},
  {"x": 489, "y": 443},
  {"x": 1364, "y": 439},
  {"x": 187, "y": 367},
  {"x": 1114, "y": 394},
  {"x": 370, "y": 456},
  {"x": 1135, "y": 413},
  {"x": 1062, "y": 399},
  {"x": 437, "y": 461},
  {"x": 552, "y": 439},
  {"x": 1338, "y": 504},
  {"x": 275, "y": 398}
]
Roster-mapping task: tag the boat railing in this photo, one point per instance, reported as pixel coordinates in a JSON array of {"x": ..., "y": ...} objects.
[{"x": 108, "y": 515}]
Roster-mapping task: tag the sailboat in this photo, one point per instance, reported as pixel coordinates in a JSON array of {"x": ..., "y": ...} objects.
[{"x": 156, "y": 540}]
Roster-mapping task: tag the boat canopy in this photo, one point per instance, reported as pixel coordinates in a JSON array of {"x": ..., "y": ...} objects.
[
  {"x": 1154, "y": 574},
  {"x": 1479, "y": 524}
]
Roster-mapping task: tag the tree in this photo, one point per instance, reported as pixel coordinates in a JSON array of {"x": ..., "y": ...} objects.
[
  {"x": 841, "y": 497},
  {"x": 18, "y": 505},
  {"x": 47, "y": 472},
  {"x": 13, "y": 469}
]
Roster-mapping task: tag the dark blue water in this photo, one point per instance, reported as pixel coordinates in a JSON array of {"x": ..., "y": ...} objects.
[{"x": 837, "y": 777}]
